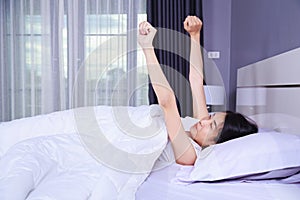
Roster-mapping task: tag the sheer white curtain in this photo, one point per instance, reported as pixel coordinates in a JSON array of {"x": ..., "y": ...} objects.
[{"x": 60, "y": 54}]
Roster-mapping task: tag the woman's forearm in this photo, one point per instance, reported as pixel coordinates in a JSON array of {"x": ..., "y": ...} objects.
[
  {"x": 196, "y": 61},
  {"x": 196, "y": 78}
]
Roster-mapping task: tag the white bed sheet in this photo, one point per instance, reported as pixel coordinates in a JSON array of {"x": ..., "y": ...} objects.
[{"x": 160, "y": 185}]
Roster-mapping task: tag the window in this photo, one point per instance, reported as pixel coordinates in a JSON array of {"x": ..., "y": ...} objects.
[
  {"x": 110, "y": 65},
  {"x": 56, "y": 55}
]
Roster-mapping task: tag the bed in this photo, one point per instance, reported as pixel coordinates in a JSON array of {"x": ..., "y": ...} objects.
[
  {"x": 269, "y": 93},
  {"x": 58, "y": 156}
]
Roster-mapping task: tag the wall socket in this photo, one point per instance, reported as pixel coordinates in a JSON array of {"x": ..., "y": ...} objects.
[{"x": 213, "y": 54}]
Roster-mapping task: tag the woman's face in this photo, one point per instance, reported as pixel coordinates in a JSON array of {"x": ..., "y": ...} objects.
[{"x": 206, "y": 130}]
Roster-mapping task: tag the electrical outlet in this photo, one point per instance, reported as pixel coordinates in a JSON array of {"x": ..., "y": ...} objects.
[{"x": 213, "y": 54}]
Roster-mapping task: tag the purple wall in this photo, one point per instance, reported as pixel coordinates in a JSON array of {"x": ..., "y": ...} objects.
[
  {"x": 247, "y": 31},
  {"x": 217, "y": 30}
]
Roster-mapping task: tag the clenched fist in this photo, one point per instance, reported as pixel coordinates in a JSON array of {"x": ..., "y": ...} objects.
[
  {"x": 146, "y": 35},
  {"x": 192, "y": 25}
]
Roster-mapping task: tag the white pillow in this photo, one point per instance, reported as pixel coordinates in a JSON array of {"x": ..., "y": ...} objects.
[
  {"x": 255, "y": 155},
  {"x": 188, "y": 122}
]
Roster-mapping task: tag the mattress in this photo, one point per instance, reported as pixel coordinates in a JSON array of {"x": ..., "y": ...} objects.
[{"x": 161, "y": 184}]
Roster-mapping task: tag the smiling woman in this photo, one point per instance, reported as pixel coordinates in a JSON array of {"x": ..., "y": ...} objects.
[{"x": 206, "y": 131}]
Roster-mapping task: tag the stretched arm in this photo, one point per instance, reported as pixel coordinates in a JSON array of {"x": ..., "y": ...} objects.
[
  {"x": 193, "y": 25},
  {"x": 181, "y": 144}
]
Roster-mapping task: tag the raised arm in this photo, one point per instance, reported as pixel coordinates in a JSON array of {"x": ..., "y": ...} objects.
[
  {"x": 181, "y": 144},
  {"x": 193, "y": 25}
]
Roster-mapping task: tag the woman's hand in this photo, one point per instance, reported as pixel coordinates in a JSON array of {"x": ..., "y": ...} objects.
[
  {"x": 146, "y": 35},
  {"x": 192, "y": 25}
]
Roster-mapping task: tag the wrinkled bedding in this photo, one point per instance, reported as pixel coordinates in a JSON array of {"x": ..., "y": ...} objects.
[
  {"x": 61, "y": 156},
  {"x": 59, "y": 167},
  {"x": 49, "y": 167},
  {"x": 71, "y": 166}
]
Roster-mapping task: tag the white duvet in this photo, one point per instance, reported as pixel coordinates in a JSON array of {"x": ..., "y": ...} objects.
[{"x": 70, "y": 166}]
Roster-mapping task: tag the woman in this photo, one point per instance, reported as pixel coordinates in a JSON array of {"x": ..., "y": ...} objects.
[{"x": 210, "y": 129}]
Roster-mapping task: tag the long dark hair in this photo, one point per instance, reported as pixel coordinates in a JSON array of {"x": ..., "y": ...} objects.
[{"x": 236, "y": 125}]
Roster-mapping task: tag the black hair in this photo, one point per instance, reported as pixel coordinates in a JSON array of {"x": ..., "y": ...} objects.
[{"x": 236, "y": 125}]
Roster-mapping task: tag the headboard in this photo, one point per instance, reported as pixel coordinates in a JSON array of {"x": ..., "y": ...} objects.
[{"x": 269, "y": 92}]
